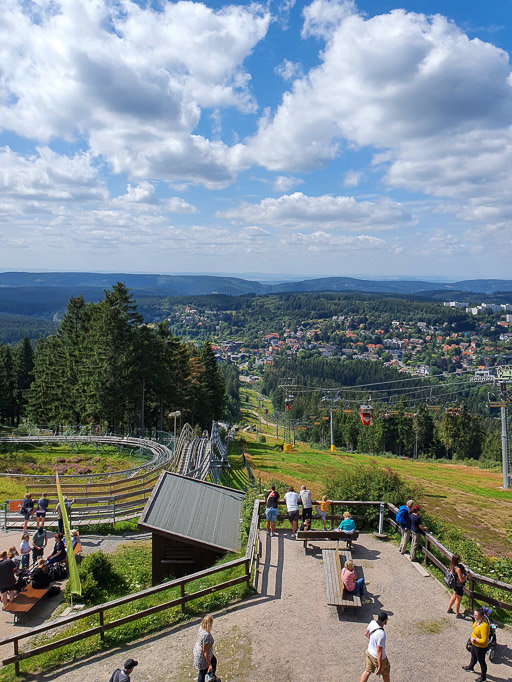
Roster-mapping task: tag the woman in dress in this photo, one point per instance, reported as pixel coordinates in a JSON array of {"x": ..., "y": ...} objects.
[
  {"x": 458, "y": 570},
  {"x": 204, "y": 660}
]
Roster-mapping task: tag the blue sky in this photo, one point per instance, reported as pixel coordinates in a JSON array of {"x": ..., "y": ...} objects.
[{"x": 321, "y": 138}]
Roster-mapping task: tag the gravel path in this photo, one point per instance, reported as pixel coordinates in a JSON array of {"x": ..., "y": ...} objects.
[{"x": 287, "y": 632}]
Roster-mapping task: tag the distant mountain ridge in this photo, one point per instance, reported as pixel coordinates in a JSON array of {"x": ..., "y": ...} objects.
[{"x": 92, "y": 284}]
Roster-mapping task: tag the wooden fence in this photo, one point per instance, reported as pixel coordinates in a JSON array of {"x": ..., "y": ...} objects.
[
  {"x": 430, "y": 542},
  {"x": 100, "y": 610}
]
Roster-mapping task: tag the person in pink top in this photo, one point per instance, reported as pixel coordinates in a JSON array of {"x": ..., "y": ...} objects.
[{"x": 351, "y": 583}]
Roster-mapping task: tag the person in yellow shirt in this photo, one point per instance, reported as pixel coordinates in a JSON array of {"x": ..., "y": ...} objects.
[
  {"x": 321, "y": 509},
  {"x": 479, "y": 642}
]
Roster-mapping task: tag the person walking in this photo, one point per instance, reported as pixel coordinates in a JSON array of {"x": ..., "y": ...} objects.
[
  {"x": 458, "y": 570},
  {"x": 417, "y": 530},
  {"x": 292, "y": 507},
  {"x": 204, "y": 660},
  {"x": 307, "y": 505},
  {"x": 376, "y": 659},
  {"x": 124, "y": 675},
  {"x": 271, "y": 509},
  {"x": 403, "y": 519},
  {"x": 479, "y": 641}
]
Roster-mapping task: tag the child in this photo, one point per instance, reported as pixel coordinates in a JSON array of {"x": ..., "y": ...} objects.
[
  {"x": 321, "y": 509},
  {"x": 348, "y": 524},
  {"x": 25, "y": 551}
]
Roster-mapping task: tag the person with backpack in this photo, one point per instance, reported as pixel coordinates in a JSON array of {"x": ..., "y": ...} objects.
[
  {"x": 403, "y": 520},
  {"x": 27, "y": 510},
  {"x": 124, "y": 675},
  {"x": 272, "y": 509},
  {"x": 479, "y": 642},
  {"x": 455, "y": 578},
  {"x": 376, "y": 659}
]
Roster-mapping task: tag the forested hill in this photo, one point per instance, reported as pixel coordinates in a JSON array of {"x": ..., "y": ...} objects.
[{"x": 174, "y": 285}]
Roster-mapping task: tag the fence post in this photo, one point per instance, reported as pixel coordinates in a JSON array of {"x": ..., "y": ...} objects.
[
  {"x": 470, "y": 588},
  {"x": 16, "y": 663},
  {"x": 248, "y": 572},
  {"x": 425, "y": 558},
  {"x": 102, "y": 634},
  {"x": 182, "y": 594},
  {"x": 5, "y": 514},
  {"x": 113, "y": 510},
  {"x": 380, "y": 533}
]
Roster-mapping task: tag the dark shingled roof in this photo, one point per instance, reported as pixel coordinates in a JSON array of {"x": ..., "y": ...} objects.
[{"x": 194, "y": 511}]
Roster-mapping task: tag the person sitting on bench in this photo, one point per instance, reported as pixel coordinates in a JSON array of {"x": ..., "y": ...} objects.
[
  {"x": 59, "y": 551},
  {"x": 348, "y": 523},
  {"x": 40, "y": 575},
  {"x": 351, "y": 583}
]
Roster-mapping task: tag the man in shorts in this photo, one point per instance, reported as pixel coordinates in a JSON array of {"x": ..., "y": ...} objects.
[
  {"x": 42, "y": 508},
  {"x": 307, "y": 506},
  {"x": 376, "y": 660},
  {"x": 272, "y": 509},
  {"x": 292, "y": 507}
]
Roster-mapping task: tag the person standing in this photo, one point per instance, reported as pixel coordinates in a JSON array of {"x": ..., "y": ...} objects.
[
  {"x": 7, "y": 578},
  {"x": 479, "y": 642},
  {"x": 42, "y": 508},
  {"x": 307, "y": 505},
  {"x": 124, "y": 674},
  {"x": 417, "y": 530},
  {"x": 60, "y": 513},
  {"x": 27, "y": 510},
  {"x": 292, "y": 507},
  {"x": 271, "y": 508},
  {"x": 457, "y": 568},
  {"x": 376, "y": 659},
  {"x": 39, "y": 542},
  {"x": 204, "y": 660},
  {"x": 403, "y": 519},
  {"x": 25, "y": 551}
]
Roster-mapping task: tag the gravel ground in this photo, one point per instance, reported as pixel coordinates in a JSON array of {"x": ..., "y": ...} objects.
[{"x": 287, "y": 632}]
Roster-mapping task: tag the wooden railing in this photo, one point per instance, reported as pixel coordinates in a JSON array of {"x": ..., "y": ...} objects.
[
  {"x": 100, "y": 610},
  {"x": 431, "y": 542}
]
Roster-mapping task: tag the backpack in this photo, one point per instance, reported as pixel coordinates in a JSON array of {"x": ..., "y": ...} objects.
[
  {"x": 401, "y": 515},
  {"x": 450, "y": 579}
]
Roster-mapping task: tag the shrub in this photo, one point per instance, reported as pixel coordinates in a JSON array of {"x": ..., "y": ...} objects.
[
  {"x": 369, "y": 483},
  {"x": 100, "y": 581},
  {"x": 262, "y": 439}
]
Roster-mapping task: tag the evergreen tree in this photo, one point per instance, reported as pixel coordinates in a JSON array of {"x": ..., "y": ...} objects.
[{"x": 23, "y": 368}]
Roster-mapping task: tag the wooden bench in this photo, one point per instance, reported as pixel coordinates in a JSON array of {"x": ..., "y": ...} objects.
[
  {"x": 333, "y": 560},
  {"x": 25, "y": 600},
  {"x": 337, "y": 535}
]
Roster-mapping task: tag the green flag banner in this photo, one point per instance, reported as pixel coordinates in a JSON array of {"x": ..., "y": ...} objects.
[{"x": 74, "y": 578}]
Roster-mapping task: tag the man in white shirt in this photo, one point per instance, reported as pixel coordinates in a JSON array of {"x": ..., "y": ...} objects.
[
  {"x": 307, "y": 505},
  {"x": 376, "y": 660},
  {"x": 292, "y": 507}
]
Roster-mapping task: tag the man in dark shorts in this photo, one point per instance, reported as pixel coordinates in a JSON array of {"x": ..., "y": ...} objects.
[
  {"x": 272, "y": 509},
  {"x": 307, "y": 506},
  {"x": 27, "y": 510},
  {"x": 417, "y": 530},
  {"x": 292, "y": 507},
  {"x": 42, "y": 508}
]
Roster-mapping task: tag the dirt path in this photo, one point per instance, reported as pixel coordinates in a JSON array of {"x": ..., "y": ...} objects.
[{"x": 286, "y": 631}]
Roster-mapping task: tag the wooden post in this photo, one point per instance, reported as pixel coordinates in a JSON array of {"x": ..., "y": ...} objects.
[
  {"x": 182, "y": 594},
  {"x": 470, "y": 589},
  {"x": 102, "y": 634},
  {"x": 248, "y": 572},
  {"x": 425, "y": 558},
  {"x": 16, "y": 663}
]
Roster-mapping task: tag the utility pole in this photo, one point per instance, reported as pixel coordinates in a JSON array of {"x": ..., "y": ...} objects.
[
  {"x": 505, "y": 457},
  {"x": 332, "y": 399}
]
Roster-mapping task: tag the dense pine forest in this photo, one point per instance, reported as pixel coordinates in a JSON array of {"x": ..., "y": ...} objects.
[
  {"x": 105, "y": 366},
  {"x": 403, "y": 423}
]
